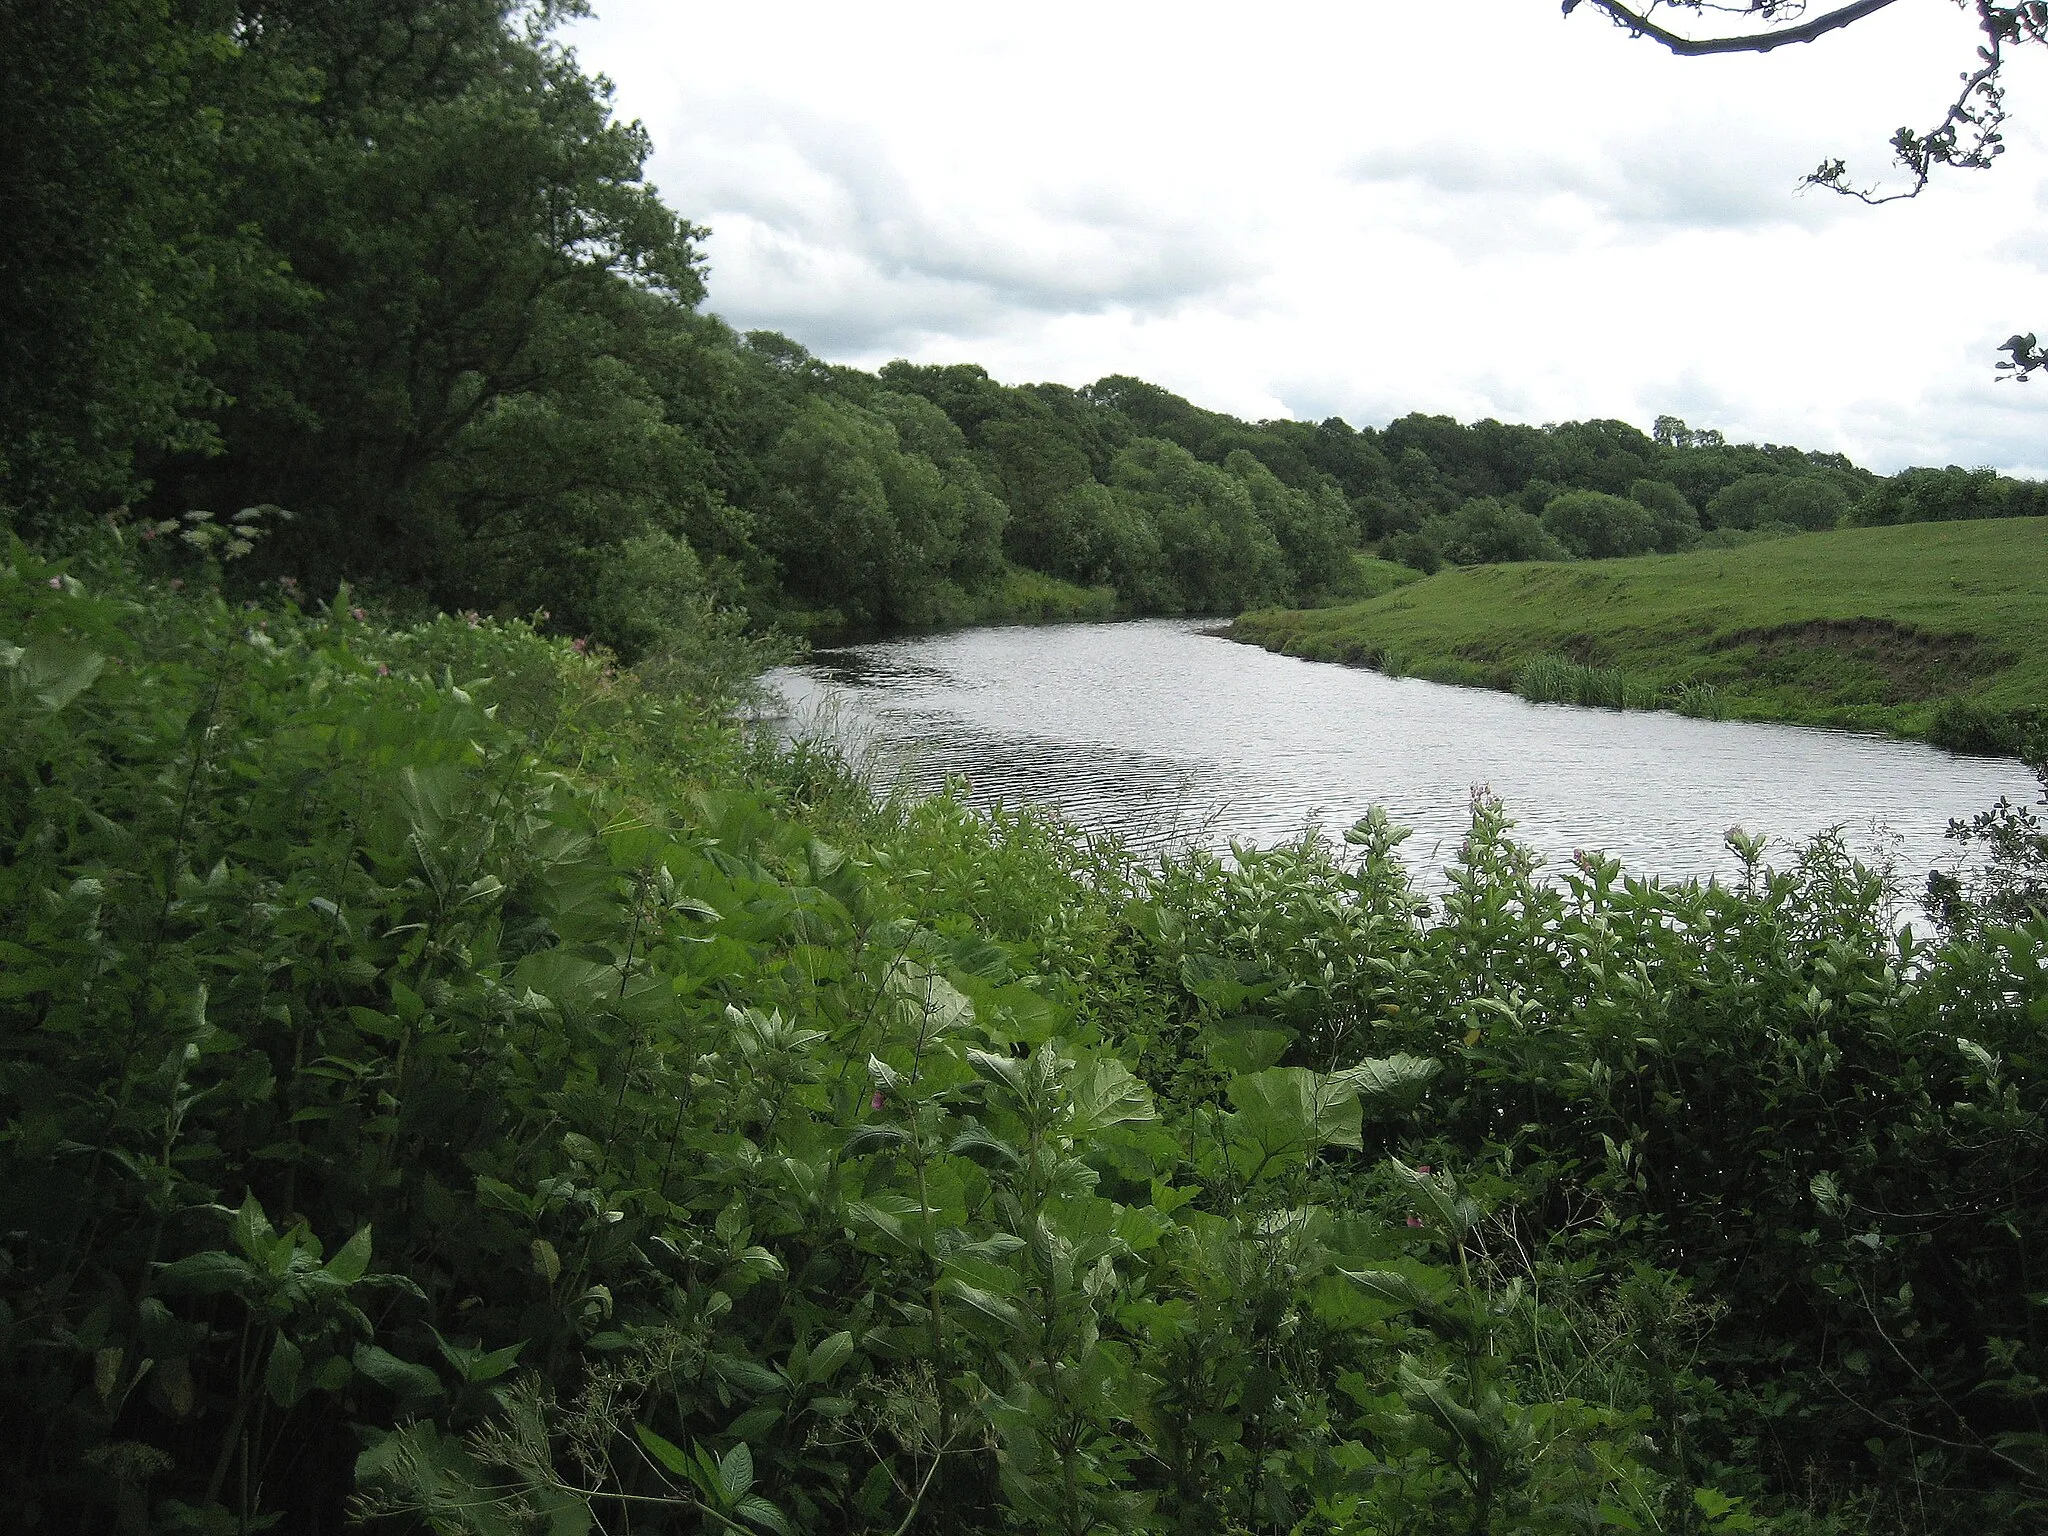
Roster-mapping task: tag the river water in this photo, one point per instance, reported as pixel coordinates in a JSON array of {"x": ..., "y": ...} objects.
[{"x": 1168, "y": 736}]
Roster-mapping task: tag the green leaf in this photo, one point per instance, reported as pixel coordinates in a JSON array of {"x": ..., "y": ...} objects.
[
  {"x": 984, "y": 1302},
  {"x": 664, "y": 1451},
  {"x": 401, "y": 1378},
  {"x": 1397, "y": 1289},
  {"x": 1290, "y": 1112},
  {"x": 252, "y": 1230},
  {"x": 54, "y": 672},
  {"x": 830, "y": 1354},
  {"x": 1104, "y": 1094},
  {"x": 762, "y": 1513},
  {"x": 207, "y": 1274},
  {"x": 546, "y": 1262},
  {"x": 1438, "y": 1195},
  {"x": 736, "y": 1472},
  {"x": 490, "y": 1367},
  {"x": 352, "y": 1260},
  {"x": 755, "y": 1422},
  {"x": 1390, "y": 1082},
  {"x": 281, "y": 1374}
]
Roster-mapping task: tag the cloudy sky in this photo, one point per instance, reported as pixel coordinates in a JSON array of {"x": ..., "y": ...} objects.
[{"x": 1360, "y": 208}]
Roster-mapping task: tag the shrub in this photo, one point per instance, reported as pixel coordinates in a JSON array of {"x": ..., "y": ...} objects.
[{"x": 1596, "y": 526}]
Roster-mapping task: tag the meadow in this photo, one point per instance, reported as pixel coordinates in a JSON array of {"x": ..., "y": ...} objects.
[{"x": 1917, "y": 630}]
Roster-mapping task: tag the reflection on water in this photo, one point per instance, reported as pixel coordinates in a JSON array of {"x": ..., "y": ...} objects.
[{"x": 1168, "y": 736}]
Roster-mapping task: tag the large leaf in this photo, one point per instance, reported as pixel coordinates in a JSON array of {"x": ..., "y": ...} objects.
[
  {"x": 1285, "y": 1113},
  {"x": 403, "y": 1379},
  {"x": 830, "y": 1354},
  {"x": 736, "y": 1472},
  {"x": 1399, "y": 1289},
  {"x": 1105, "y": 1093},
  {"x": 52, "y": 672},
  {"x": 207, "y": 1274},
  {"x": 1389, "y": 1082},
  {"x": 664, "y": 1451},
  {"x": 352, "y": 1260},
  {"x": 762, "y": 1513}
]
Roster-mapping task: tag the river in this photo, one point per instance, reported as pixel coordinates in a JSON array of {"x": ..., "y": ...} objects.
[{"x": 1169, "y": 736}]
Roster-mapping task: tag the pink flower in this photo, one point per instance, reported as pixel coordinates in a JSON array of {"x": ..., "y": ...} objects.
[
  {"x": 383, "y": 670},
  {"x": 579, "y": 645},
  {"x": 148, "y": 535},
  {"x": 359, "y": 614},
  {"x": 1414, "y": 1221},
  {"x": 56, "y": 583},
  {"x": 1422, "y": 1168},
  {"x": 877, "y": 1101}
]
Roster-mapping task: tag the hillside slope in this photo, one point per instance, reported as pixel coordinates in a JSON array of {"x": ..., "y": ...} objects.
[{"x": 1867, "y": 627}]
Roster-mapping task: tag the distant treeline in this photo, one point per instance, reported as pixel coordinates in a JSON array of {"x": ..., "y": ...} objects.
[{"x": 394, "y": 269}]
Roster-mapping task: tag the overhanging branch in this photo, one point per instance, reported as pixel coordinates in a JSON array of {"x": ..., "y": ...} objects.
[{"x": 1752, "y": 42}]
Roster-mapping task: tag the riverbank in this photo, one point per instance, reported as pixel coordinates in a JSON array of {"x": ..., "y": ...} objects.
[{"x": 1932, "y": 630}]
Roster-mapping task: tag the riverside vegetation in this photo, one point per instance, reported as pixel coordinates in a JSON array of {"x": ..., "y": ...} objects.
[
  {"x": 1936, "y": 629},
  {"x": 452, "y": 1082},
  {"x": 453, "y": 1078}
]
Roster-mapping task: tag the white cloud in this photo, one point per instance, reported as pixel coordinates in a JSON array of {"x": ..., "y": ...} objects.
[{"x": 1355, "y": 208}]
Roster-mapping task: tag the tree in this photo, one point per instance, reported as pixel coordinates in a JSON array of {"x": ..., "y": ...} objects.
[
  {"x": 1596, "y": 526},
  {"x": 110, "y": 114},
  {"x": 1677, "y": 523},
  {"x": 1487, "y": 531}
]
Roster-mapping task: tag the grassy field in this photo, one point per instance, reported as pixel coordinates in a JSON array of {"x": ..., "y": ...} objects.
[{"x": 1878, "y": 628}]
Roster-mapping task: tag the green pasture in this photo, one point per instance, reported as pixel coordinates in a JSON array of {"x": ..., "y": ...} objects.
[{"x": 1878, "y": 628}]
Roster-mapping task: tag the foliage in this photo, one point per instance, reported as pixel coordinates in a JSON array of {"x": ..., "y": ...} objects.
[
  {"x": 1484, "y": 531},
  {"x": 1595, "y": 526},
  {"x": 447, "y": 1072}
]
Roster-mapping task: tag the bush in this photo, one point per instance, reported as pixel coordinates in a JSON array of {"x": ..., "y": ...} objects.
[
  {"x": 1418, "y": 551},
  {"x": 1976, "y": 729},
  {"x": 1678, "y": 525},
  {"x": 1596, "y": 526},
  {"x": 1484, "y": 531}
]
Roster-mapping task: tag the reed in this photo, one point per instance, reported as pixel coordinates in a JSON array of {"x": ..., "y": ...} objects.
[{"x": 1552, "y": 679}]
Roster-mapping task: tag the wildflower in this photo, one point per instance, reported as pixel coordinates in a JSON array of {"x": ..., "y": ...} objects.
[
  {"x": 1422, "y": 1168},
  {"x": 147, "y": 535},
  {"x": 383, "y": 670},
  {"x": 56, "y": 583},
  {"x": 877, "y": 1101},
  {"x": 288, "y": 583},
  {"x": 579, "y": 645},
  {"x": 1414, "y": 1221},
  {"x": 360, "y": 615}
]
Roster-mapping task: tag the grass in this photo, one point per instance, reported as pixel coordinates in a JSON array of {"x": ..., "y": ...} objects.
[{"x": 1908, "y": 630}]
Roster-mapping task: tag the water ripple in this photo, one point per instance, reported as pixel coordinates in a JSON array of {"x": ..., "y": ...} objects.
[{"x": 1168, "y": 736}]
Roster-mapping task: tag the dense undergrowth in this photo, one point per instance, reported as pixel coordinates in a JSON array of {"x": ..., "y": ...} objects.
[{"x": 451, "y": 1082}]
